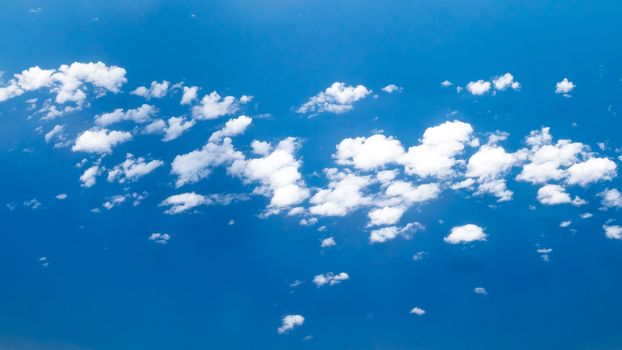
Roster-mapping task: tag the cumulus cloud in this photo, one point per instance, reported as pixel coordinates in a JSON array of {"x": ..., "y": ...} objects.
[
  {"x": 138, "y": 115},
  {"x": 99, "y": 140},
  {"x": 160, "y": 238},
  {"x": 506, "y": 80},
  {"x": 385, "y": 216},
  {"x": 182, "y": 202},
  {"x": 368, "y": 153},
  {"x": 446, "y": 83},
  {"x": 480, "y": 291},
  {"x": 57, "y": 133},
  {"x": 89, "y": 177},
  {"x": 564, "y": 87},
  {"x": 330, "y": 279},
  {"x": 344, "y": 194},
  {"x": 198, "y": 164},
  {"x": 171, "y": 128},
  {"x": 478, "y": 88},
  {"x": 328, "y": 242},
  {"x": 388, "y": 233},
  {"x": 556, "y": 194},
  {"x": 439, "y": 145},
  {"x": 488, "y": 165},
  {"x": 189, "y": 95},
  {"x": 214, "y": 106},
  {"x": 233, "y": 127},
  {"x": 465, "y": 234},
  {"x": 156, "y": 90},
  {"x": 611, "y": 198},
  {"x": 290, "y": 322},
  {"x": 391, "y": 88},
  {"x": 417, "y": 311},
  {"x": 132, "y": 169},
  {"x": 591, "y": 170},
  {"x": 613, "y": 231},
  {"x": 277, "y": 173},
  {"x": 338, "y": 98}
]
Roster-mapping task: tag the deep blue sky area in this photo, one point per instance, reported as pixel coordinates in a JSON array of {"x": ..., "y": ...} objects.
[{"x": 77, "y": 275}]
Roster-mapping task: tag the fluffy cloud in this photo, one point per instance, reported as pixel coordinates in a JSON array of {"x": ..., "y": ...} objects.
[
  {"x": 58, "y": 134},
  {"x": 132, "y": 169},
  {"x": 67, "y": 82},
  {"x": 439, "y": 145},
  {"x": 385, "y": 216},
  {"x": 160, "y": 238},
  {"x": 478, "y": 88},
  {"x": 338, "y": 98},
  {"x": 214, "y": 106},
  {"x": 611, "y": 198},
  {"x": 156, "y": 90},
  {"x": 198, "y": 164},
  {"x": 391, "y": 88},
  {"x": 277, "y": 173},
  {"x": 490, "y": 163},
  {"x": 388, "y": 233},
  {"x": 290, "y": 322},
  {"x": 138, "y": 115},
  {"x": 330, "y": 279},
  {"x": 89, "y": 177},
  {"x": 564, "y": 87},
  {"x": 328, "y": 242},
  {"x": 189, "y": 95},
  {"x": 613, "y": 231},
  {"x": 368, "y": 153},
  {"x": 480, "y": 291},
  {"x": 417, "y": 311},
  {"x": 182, "y": 202},
  {"x": 505, "y": 81},
  {"x": 172, "y": 128},
  {"x": 100, "y": 140},
  {"x": 465, "y": 234},
  {"x": 592, "y": 170},
  {"x": 344, "y": 194},
  {"x": 233, "y": 127},
  {"x": 556, "y": 194}
]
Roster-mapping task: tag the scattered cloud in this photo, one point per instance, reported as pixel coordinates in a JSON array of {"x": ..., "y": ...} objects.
[
  {"x": 338, "y": 98},
  {"x": 465, "y": 234},
  {"x": 290, "y": 322}
]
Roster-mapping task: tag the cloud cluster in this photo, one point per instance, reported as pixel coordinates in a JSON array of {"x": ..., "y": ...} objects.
[{"x": 337, "y": 98}]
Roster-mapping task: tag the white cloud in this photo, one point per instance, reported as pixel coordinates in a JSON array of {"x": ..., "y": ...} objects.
[
  {"x": 290, "y": 322},
  {"x": 156, "y": 90},
  {"x": 261, "y": 148},
  {"x": 114, "y": 201},
  {"x": 330, "y": 279},
  {"x": 419, "y": 255},
  {"x": 611, "y": 198},
  {"x": 172, "y": 128},
  {"x": 478, "y": 88},
  {"x": 417, "y": 311},
  {"x": 338, "y": 98},
  {"x": 388, "y": 233},
  {"x": 465, "y": 234},
  {"x": 391, "y": 88},
  {"x": 556, "y": 194},
  {"x": 160, "y": 238},
  {"x": 32, "y": 204},
  {"x": 564, "y": 87},
  {"x": 344, "y": 194},
  {"x": 591, "y": 170},
  {"x": 277, "y": 174},
  {"x": 368, "y": 153},
  {"x": 403, "y": 192},
  {"x": 198, "y": 164},
  {"x": 61, "y": 196},
  {"x": 505, "y": 81},
  {"x": 565, "y": 224},
  {"x": 182, "y": 202},
  {"x": 613, "y": 231},
  {"x": 491, "y": 161},
  {"x": 99, "y": 140},
  {"x": 214, "y": 106},
  {"x": 233, "y": 127},
  {"x": 189, "y": 95},
  {"x": 89, "y": 177},
  {"x": 544, "y": 253},
  {"x": 132, "y": 169},
  {"x": 328, "y": 242},
  {"x": 480, "y": 291},
  {"x": 385, "y": 216},
  {"x": 439, "y": 145},
  {"x": 446, "y": 83},
  {"x": 57, "y": 133},
  {"x": 138, "y": 115}
]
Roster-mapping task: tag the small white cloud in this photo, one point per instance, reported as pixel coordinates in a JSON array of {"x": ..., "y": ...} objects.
[
  {"x": 198, "y": 164},
  {"x": 160, "y": 238},
  {"x": 214, "y": 106},
  {"x": 290, "y": 322},
  {"x": 182, "y": 202},
  {"x": 32, "y": 203},
  {"x": 417, "y": 311},
  {"x": 544, "y": 253},
  {"x": 139, "y": 115},
  {"x": 465, "y": 234},
  {"x": 368, "y": 153},
  {"x": 590, "y": 171},
  {"x": 556, "y": 194},
  {"x": 391, "y": 88},
  {"x": 100, "y": 140},
  {"x": 446, "y": 83},
  {"x": 61, "y": 196},
  {"x": 233, "y": 127},
  {"x": 419, "y": 255},
  {"x": 338, "y": 98},
  {"x": 189, "y": 95},
  {"x": 156, "y": 90},
  {"x": 480, "y": 291},
  {"x": 330, "y": 279},
  {"x": 613, "y": 231},
  {"x": 505, "y": 81},
  {"x": 478, "y": 88},
  {"x": 132, "y": 169},
  {"x": 566, "y": 223},
  {"x": 611, "y": 198},
  {"x": 388, "y": 233},
  {"x": 586, "y": 215},
  {"x": 328, "y": 242},
  {"x": 564, "y": 87},
  {"x": 89, "y": 177}
]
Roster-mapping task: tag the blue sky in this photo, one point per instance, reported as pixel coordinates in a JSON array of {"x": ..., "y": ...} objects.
[{"x": 310, "y": 175}]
